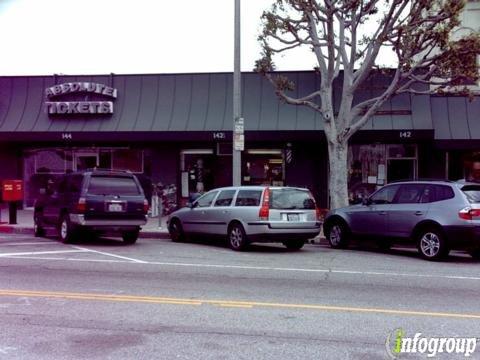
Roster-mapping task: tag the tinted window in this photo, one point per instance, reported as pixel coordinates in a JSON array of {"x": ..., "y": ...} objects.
[
  {"x": 104, "y": 185},
  {"x": 385, "y": 195},
  {"x": 432, "y": 193},
  {"x": 472, "y": 192},
  {"x": 206, "y": 200},
  {"x": 248, "y": 198},
  {"x": 409, "y": 194},
  {"x": 225, "y": 198},
  {"x": 291, "y": 199},
  {"x": 443, "y": 192}
]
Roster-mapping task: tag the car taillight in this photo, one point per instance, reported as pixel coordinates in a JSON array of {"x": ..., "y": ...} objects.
[
  {"x": 81, "y": 205},
  {"x": 145, "y": 206},
  {"x": 265, "y": 209},
  {"x": 468, "y": 213}
]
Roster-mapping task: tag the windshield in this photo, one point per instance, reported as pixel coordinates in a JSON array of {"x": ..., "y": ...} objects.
[
  {"x": 472, "y": 192},
  {"x": 104, "y": 185},
  {"x": 291, "y": 199}
]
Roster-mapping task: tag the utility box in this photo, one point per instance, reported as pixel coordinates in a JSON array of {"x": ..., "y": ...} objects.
[{"x": 12, "y": 190}]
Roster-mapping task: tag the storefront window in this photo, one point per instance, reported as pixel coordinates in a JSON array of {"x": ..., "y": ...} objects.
[
  {"x": 471, "y": 166},
  {"x": 50, "y": 161},
  {"x": 127, "y": 159},
  {"x": 366, "y": 170},
  {"x": 374, "y": 165},
  {"x": 44, "y": 166},
  {"x": 263, "y": 167}
]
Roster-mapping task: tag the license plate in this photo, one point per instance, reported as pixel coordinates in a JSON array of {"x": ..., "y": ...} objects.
[
  {"x": 293, "y": 217},
  {"x": 115, "y": 207}
]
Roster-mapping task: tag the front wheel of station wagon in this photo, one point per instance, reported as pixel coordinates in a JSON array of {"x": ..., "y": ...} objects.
[
  {"x": 237, "y": 239},
  {"x": 431, "y": 244},
  {"x": 176, "y": 231}
]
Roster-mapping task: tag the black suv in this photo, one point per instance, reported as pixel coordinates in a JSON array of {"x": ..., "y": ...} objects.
[{"x": 103, "y": 201}]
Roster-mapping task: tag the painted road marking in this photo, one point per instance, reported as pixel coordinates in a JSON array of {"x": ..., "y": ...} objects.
[
  {"x": 110, "y": 254},
  {"x": 40, "y": 253},
  {"x": 130, "y": 260},
  {"x": 29, "y": 243},
  {"x": 223, "y": 303}
]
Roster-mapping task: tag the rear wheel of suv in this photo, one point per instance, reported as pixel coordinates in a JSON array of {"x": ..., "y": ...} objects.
[
  {"x": 175, "y": 230},
  {"x": 237, "y": 239},
  {"x": 338, "y": 235},
  {"x": 38, "y": 229},
  {"x": 432, "y": 244},
  {"x": 130, "y": 237},
  {"x": 65, "y": 229},
  {"x": 294, "y": 244}
]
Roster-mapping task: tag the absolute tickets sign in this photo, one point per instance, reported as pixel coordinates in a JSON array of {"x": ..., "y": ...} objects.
[{"x": 79, "y": 107}]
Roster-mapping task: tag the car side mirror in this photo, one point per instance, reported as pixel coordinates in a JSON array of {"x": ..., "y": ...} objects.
[
  {"x": 366, "y": 201},
  {"x": 192, "y": 205}
]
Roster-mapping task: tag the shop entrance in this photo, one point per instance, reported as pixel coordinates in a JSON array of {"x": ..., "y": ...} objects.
[{"x": 196, "y": 169}]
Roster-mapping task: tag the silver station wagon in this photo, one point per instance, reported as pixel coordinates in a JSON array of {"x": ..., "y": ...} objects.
[{"x": 247, "y": 214}]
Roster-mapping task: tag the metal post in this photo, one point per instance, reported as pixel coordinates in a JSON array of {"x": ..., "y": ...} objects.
[
  {"x": 238, "y": 140},
  {"x": 160, "y": 209},
  {"x": 12, "y": 212}
]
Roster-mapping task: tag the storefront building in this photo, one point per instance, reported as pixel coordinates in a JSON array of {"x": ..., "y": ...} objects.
[{"x": 175, "y": 131}]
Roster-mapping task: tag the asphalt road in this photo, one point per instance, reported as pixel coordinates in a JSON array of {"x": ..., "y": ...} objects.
[{"x": 200, "y": 300}]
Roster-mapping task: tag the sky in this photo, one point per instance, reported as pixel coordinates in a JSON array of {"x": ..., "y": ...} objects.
[{"x": 42, "y": 37}]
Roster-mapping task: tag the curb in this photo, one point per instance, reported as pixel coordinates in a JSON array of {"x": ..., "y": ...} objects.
[{"x": 12, "y": 229}]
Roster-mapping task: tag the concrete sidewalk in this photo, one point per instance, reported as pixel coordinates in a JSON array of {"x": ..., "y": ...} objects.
[{"x": 25, "y": 225}]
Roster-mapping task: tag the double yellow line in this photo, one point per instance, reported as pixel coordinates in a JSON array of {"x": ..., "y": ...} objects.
[{"x": 223, "y": 303}]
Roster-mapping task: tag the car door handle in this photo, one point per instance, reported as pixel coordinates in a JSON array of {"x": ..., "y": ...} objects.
[
  {"x": 418, "y": 212},
  {"x": 382, "y": 213},
  {"x": 226, "y": 211}
]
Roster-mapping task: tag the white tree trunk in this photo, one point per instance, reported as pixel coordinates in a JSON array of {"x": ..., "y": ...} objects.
[{"x": 338, "y": 175}]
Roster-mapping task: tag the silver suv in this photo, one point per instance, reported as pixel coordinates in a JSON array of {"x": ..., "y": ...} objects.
[
  {"x": 437, "y": 216},
  {"x": 249, "y": 214}
]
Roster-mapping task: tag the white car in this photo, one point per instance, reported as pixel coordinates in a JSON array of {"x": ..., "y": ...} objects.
[{"x": 247, "y": 214}]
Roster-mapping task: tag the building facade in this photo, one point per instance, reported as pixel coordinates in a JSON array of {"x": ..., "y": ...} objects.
[{"x": 176, "y": 130}]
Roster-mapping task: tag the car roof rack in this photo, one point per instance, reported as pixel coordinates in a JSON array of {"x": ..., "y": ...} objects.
[
  {"x": 107, "y": 170},
  {"x": 422, "y": 180}
]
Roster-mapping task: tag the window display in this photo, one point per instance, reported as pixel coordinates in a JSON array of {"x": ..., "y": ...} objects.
[
  {"x": 263, "y": 167},
  {"x": 374, "y": 165}
]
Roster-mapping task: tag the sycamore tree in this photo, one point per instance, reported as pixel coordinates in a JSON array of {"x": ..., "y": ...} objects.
[{"x": 346, "y": 37}]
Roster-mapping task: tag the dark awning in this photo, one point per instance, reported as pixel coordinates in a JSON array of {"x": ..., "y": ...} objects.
[{"x": 172, "y": 104}]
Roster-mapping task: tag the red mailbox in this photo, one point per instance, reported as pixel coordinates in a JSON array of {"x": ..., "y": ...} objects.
[{"x": 12, "y": 190}]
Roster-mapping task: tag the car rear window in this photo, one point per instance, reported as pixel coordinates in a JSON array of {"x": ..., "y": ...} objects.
[
  {"x": 472, "y": 192},
  {"x": 104, "y": 185},
  {"x": 283, "y": 199}
]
